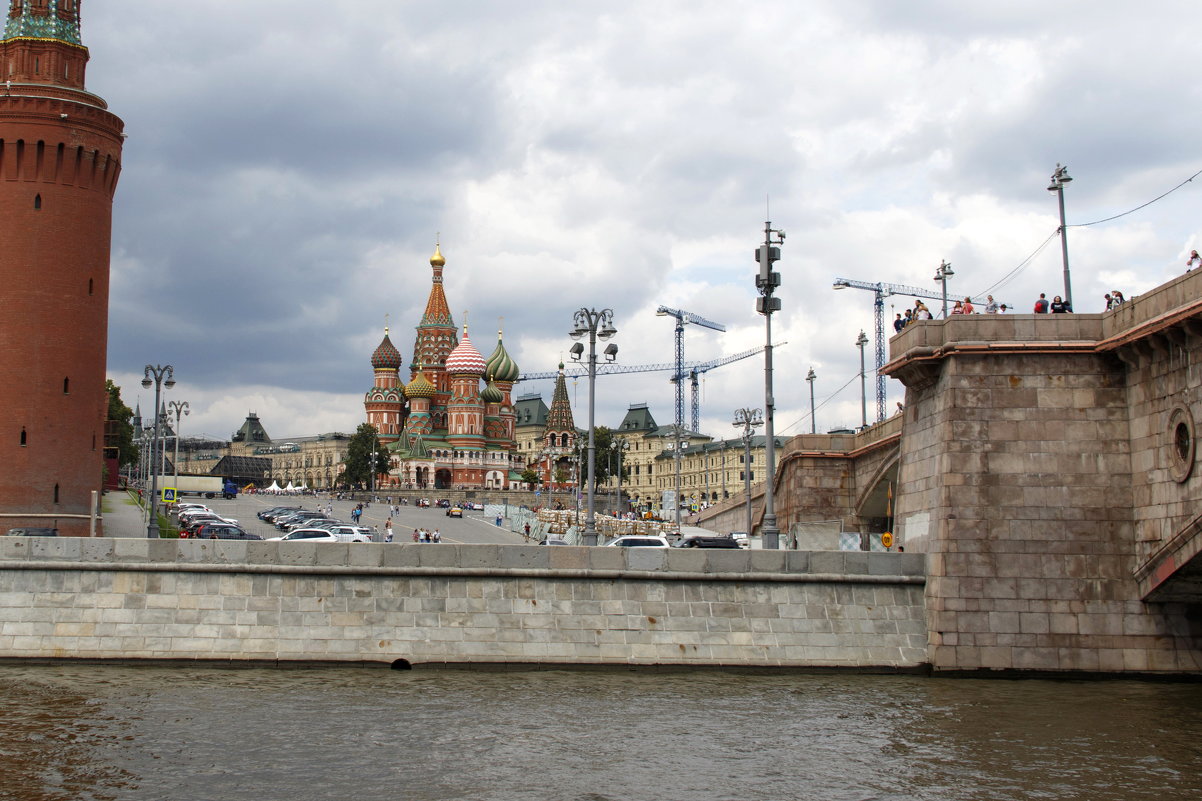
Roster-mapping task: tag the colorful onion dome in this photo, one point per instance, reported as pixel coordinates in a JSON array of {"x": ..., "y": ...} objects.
[
  {"x": 500, "y": 365},
  {"x": 491, "y": 394},
  {"x": 420, "y": 387},
  {"x": 437, "y": 260},
  {"x": 386, "y": 356},
  {"x": 465, "y": 359}
]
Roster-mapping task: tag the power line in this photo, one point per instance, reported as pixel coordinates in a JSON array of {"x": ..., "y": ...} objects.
[
  {"x": 1137, "y": 208},
  {"x": 827, "y": 400},
  {"x": 1006, "y": 278}
]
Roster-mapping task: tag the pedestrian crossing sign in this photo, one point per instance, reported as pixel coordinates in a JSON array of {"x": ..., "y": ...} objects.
[{"x": 168, "y": 494}]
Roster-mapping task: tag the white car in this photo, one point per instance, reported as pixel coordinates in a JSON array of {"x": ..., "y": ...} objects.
[
  {"x": 335, "y": 534},
  {"x": 641, "y": 541}
]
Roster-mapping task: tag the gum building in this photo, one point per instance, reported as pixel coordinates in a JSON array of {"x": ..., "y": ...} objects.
[{"x": 60, "y": 157}]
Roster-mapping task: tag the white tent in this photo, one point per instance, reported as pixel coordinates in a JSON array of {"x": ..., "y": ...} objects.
[
  {"x": 273, "y": 488},
  {"x": 289, "y": 488}
]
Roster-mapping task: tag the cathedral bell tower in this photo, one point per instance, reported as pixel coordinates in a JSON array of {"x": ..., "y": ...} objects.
[{"x": 60, "y": 157}]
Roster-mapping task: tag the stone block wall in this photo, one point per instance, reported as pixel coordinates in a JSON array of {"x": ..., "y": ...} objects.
[
  {"x": 333, "y": 602},
  {"x": 1022, "y": 477}
]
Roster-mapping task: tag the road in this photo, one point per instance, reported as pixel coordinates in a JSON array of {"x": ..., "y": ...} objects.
[{"x": 472, "y": 528}]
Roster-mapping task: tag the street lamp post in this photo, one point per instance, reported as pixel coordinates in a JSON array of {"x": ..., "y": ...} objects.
[
  {"x": 1059, "y": 178},
  {"x": 621, "y": 446},
  {"x": 178, "y": 408},
  {"x": 811, "y": 377},
  {"x": 942, "y": 273},
  {"x": 597, "y": 325},
  {"x": 861, "y": 341},
  {"x": 164, "y": 377},
  {"x": 766, "y": 281},
  {"x": 749, "y": 419}
]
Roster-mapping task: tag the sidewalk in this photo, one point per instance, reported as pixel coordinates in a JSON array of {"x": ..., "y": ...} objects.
[{"x": 122, "y": 516}]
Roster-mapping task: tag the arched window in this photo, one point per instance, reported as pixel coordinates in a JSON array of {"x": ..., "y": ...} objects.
[
  {"x": 37, "y": 202},
  {"x": 24, "y": 437},
  {"x": 56, "y": 493},
  {"x": 66, "y": 386}
]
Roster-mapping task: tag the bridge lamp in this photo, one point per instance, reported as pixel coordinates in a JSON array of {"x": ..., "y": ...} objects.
[
  {"x": 1059, "y": 178},
  {"x": 942, "y": 273}
]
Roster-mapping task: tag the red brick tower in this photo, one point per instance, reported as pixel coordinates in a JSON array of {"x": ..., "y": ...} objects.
[{"x": 60, "y": 156}]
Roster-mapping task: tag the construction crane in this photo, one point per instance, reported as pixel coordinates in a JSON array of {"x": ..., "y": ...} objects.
[
  {"x": 881, "y": 291},
  {"x": 691, "y": 369},
  {"x": 683, "y": 317},
  {"x": 697, "y": 369}
]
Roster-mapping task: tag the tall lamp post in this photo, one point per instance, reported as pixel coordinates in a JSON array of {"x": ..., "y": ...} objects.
[
  {"x": 178, "y": 408},
  {"x": 1059, "y": 178},
  {"x": 621, "y": 446},
  {"x": 766, "y": 281},
  {"x": 749, "y": 419},
  {"x": 861, "y": 341},
  {"x": 596, "y": 325},
  {"x": 811, "y": 377},
  {"x": 942, "y": 273},
  {"x": 163, "y": 378}
]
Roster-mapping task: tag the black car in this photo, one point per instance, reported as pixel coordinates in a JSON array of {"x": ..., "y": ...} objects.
[
  {"x": 223, "y": 531},
  {"x": 33, "y": 532},
  {"x": 708, "y": 542},
  {"x": 282, "y": 522},
  {"x": 269, "y": 514}
]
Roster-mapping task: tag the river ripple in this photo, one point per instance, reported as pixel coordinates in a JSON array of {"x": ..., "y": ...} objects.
[{"x": 101, "y": 732}]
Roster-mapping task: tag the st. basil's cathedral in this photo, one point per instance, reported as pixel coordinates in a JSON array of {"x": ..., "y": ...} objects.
[{"x": 455, "y": 435}]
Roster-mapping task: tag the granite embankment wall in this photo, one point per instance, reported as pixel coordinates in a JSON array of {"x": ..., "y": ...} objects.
[{"x": 447, "y": 604}]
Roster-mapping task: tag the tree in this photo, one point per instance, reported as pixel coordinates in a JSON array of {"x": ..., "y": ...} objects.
[
  {"x": 120, "y": 428},
  {"x": 606, "y": 460},
  {"x": 357, "y": 465},
  {"x": 531, "y": 477}
]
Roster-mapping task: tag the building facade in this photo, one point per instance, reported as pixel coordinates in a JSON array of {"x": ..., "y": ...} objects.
[{"x": 60, "y": 157}]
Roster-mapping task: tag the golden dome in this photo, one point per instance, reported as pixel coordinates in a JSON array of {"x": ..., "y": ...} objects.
[{"x": 437, "y": 260}]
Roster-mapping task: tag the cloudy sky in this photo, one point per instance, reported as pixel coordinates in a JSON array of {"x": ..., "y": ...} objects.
[{"x": 290, "y": 164}]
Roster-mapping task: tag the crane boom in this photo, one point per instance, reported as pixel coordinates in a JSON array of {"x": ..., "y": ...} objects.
[
  {"x": 683, "y": 317},
  {"x": 882, "y": 290}
]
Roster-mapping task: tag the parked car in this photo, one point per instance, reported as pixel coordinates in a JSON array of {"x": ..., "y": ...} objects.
[
  {"x": 310, "y": 522},
  {"x": 307, "y": 535},
  {"x": 26, "y": 531},
  {"x": 268, "y": 514},
  {"x": 348, "y": 533},
  {"x": 443, "y": 504},
  {"x": 641, "y": 541},
  {"x": 222, "y": 531},
  {"x": 454, "y": 511},
  {"x": 715, "y": 541},
  {"x": 423, "y": 502},
  {"x": 554, "y": 541},
  {"x": 475, "y": 507},
  {"x": 741, "y": 538},
  {"x": 282, "y": 523}
]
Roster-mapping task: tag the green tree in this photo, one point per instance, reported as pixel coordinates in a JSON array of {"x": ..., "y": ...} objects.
[
  {"x": 119, "y": 416},
  {"x": 357, "y": 465},
  {"x": 606, "y": 460},
  {"x": 531, "y": 477}
]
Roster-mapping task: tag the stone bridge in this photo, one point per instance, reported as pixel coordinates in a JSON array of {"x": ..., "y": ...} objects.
[
  {"x": 825, "y": 484},
  {"x": 1048, "y": 469}
]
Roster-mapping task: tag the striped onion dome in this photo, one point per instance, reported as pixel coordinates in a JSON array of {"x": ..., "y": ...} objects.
[
  {"x": 420, "y": 387},
  {"x": 500, "y": 365},
  {"x": 465, "y": 359},
  {"x": 491, "y": 394}
]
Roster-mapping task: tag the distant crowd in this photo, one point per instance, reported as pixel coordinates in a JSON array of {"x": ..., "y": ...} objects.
[{"x": 1057, "y": 305}]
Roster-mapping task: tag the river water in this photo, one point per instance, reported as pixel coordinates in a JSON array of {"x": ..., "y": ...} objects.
[{"x": 109, "y": 732}]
